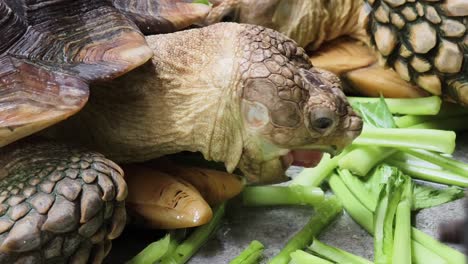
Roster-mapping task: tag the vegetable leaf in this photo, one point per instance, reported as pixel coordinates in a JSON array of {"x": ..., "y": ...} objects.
[
  {"x": 427, "y": 196},
  {"x": 376, "y": 114}
]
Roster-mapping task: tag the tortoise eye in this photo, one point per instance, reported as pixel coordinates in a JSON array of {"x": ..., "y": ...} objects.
[
  {"x": 322, "y": 123},
  {"x": 322, "y": 120}
]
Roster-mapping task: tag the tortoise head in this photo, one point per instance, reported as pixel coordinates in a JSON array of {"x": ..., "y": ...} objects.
[{"x": 291, "y": 111}]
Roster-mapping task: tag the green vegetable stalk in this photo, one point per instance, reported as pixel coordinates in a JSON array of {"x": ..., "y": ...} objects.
[
  {"x": 358, "y": 188},
  {"x": 368, "y": 157},
  {"x": 433, "y": 175},
  {"x": 402, "y": 239},
  {"x": 385, "y": 213},
  {"x": 429, "y": 139},
  {"x": 153, "y": 252},
  {"x": 313, "y": 177},
  {"x": 282, "y": 195},
  {"x": 325, "y": 213},
  {"x": 449, "y": 254},
  {"x": 407, "y": 106},
  {"x": 250, "y": 255},
  {"x": 335, "y": 254},
  {"x": 437, "y": 159},
  {"x": 193, "y": 243},
  {"x": 355, "y": 209},
  {"x": 302, "y": 257}
]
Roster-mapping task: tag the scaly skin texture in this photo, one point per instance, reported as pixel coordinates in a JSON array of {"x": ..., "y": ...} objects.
[
  {"x": 240, "y": 94},
  {"x": 58, "y": 204},
  {"x": 309, "y": 23}
]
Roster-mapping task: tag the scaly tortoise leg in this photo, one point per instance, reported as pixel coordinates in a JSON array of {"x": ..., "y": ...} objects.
[
  {"x": 170, "y": 197},
  {"x": 59, "y": 204}
]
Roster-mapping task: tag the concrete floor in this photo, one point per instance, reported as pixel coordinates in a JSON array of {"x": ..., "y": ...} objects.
[{"x": 274, "y": 226}]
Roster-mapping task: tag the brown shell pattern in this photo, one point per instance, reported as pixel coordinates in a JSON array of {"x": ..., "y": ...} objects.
[{"x": 425, "y": 41}]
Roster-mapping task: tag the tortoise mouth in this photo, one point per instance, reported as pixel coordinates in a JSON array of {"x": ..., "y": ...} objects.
[{"x": 303, "y": 158}]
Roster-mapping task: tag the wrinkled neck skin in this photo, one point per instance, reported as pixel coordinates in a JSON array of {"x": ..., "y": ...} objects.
[
  {"x": 183, "y": 100},
  {"x": 309, "y": 23}
]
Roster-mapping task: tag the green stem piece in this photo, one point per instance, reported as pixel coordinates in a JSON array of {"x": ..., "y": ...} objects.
[
  {"x": 433, "y": 175},
  {"x": 363, "y": 216},
  {"x": 302, "y": 257},
  {"x": 335, "y": 254},
  {"x": 429, "y": 139},
  {"x": 324, "y": 214},
  {"x": 406, "y": 106},
  {"x": 282, "y": 195},
  {"x": 451, "y": 255},
  {"x": 153, "y": 252},
  {"x": 196, "y": 240},
  {"x": 368, "y": 157},
  {"x": 250, "y": 255}
]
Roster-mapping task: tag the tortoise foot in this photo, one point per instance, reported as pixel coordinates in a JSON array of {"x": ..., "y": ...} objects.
[{"x": 58, "y": 204}]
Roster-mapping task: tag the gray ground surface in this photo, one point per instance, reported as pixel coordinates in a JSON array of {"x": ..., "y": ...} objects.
[{"x": 274, "y": 226}]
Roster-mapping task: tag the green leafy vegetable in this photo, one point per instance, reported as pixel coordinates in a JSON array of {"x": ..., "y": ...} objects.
[
  {"x": 250, "y": 255},
  {"x": 376, "y": 114},
  {"x": 427, "y": 196}
]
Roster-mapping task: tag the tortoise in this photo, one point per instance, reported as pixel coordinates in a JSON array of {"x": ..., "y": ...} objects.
[
  {"x": 425, "y": 42},
  {"x": 242, "y": 95}
]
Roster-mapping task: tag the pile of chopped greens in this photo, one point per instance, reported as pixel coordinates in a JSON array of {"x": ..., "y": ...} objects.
[{"x": 379, "y": 180}]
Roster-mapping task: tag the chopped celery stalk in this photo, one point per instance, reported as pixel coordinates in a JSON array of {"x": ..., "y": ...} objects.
[
  {"x": 302, "y": 257},
  {"x": 413, "y": 161},
  {"x": 363, "y": 216},
  {"x": 430, "y": 139},
  {"x": 427, "y": 196},
  {"x": 250, "y": 255},
  {"x": 357, "y": 187},
  {"x": 402, "y": 239},
  {"x": 411, "y": 120},
  {"x": 449, "y": 254},
  {"x": 361, "y": 160},
  {"x": 313, "y": 177},
  {"x": 455, "y": 123},
  {"x": 406, "y": 106},
  {"x": 438, "y": 176},
  {"x": 193, "y": 243},
  {"x": 384, "y": 215},
  {"x": 282, "y": 195},
  {"x": 422, "y": 255},
  {"x": 444, "y": 162},
  {"x": 153, "y": 252},
  {"x": 335, "y": 254},
  {"x": 324, "y": 214}
]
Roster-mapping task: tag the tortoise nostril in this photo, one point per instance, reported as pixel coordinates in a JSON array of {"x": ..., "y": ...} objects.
[{"x": 322, "y": 123}]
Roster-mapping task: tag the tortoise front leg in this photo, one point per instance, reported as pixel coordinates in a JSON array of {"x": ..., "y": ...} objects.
[
  {"x": 58, "y": 204},
  {"x": 171, "y": 197}
]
